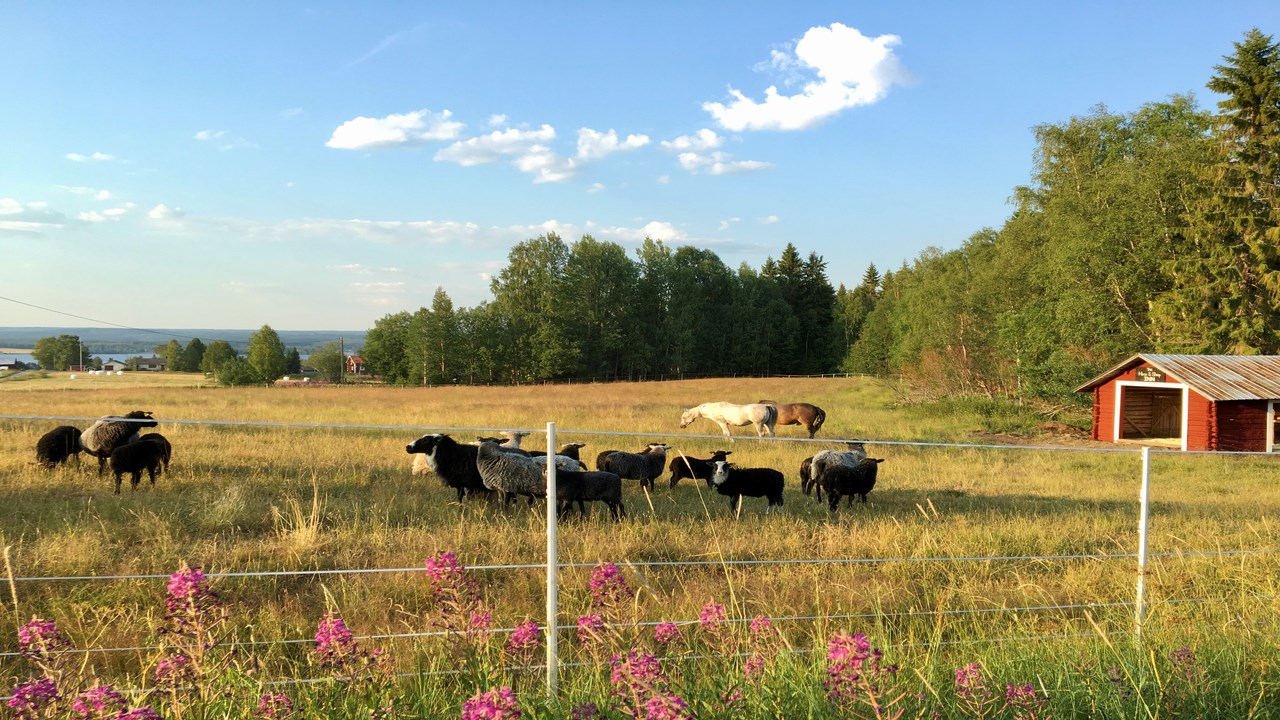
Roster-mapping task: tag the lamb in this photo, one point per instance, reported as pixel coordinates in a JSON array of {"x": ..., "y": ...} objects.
[
  {"x": 811, "y": 473},
  {"x": 644, "y": 466},
  {"x": 135, "y": 457},
  {"x": 571, "y": 450},
  {"x": 509, "y": 473},
  {"x": 844, "y": 481},
  {"x": 564, "y": 463},
  {"x": 581, "y": 487},
  {"x": 111, "y": 432},
  {"x": 56, "y": 446},
  {"x": 453, "y": 461},
  {"x": 753, "y": 482},
  {"x": 683, "y": 466},
  {"x": 166, "y": 448},
  {"x": 509, "y": 442}
]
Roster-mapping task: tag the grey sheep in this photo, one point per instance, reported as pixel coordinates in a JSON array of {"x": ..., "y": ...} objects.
[
  {"x": 509, "y": 473},
  {"x": 582, "y": 487},
  {"x": 135, "y": 457},
  {"x": 109, "y": 433},
  {"x": 644, "y": 466},
  {"x": 844, "y": 481},
  {"x": 752, "y": 482},
  {"x": 54, "y": 447},
  {"x": 812, "y": 469}
]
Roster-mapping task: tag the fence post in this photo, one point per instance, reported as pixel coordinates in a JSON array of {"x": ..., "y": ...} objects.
[
  {"x": 1144, "y": 499},
  {"x": 553, "y": 570}
]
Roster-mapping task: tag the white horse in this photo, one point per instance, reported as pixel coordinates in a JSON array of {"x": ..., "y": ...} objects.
[{"x": 724, "y": 414}]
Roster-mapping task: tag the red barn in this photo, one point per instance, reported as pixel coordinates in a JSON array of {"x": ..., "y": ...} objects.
[{"x": 1195, "y": 402}]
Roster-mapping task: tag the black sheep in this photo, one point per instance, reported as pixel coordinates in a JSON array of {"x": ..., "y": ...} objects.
[
  {"x": 54, "y": 447},
  {"x": 581, "y": 487},
  {"x": 752, "y": 482},
  {"x": 843, "y": 481},
  {"x": 453, "y": 461},
  {"x": 135, "y": 457},
  {"x": 166, "y": 448},
  {"x": 683, "y": 466}
]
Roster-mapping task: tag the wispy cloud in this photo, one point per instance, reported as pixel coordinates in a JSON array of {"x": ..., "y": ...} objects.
[
  {"x": 387, "y": 42},
  {"x": 223, "y": 140},
  {"x": 850, "y": 68},
  {"x": 95, "y": 157},
  {"x": 31, "y": 218}
]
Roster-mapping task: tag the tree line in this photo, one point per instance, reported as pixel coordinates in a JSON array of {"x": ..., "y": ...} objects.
[{"x": 1153, "y": 230}]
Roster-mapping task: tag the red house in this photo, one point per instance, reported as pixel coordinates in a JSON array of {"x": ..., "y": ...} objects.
[
  {"x": 1194, "y": 402},
  {"x": 355, "y": 365}
]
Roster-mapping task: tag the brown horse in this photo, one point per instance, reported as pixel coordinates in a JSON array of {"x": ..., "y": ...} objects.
[{"x": 810, "y": 416}]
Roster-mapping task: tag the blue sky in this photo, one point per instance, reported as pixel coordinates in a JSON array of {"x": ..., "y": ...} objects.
[{"x": 320, "y": 165}]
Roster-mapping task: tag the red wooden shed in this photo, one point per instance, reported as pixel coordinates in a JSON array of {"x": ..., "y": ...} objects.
[{"x": 1196, "y": 402}]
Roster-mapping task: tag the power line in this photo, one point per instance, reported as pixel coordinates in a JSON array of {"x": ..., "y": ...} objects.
[{"x": 95, "y": 320}]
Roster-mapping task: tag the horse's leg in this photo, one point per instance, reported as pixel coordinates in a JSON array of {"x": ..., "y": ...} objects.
[{"x": 724, "y": 427}]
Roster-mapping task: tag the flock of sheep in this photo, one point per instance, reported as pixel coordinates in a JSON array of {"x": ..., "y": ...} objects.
[
  {"x": 116, "y": 441},
  {"x": 498, "y": 466}
]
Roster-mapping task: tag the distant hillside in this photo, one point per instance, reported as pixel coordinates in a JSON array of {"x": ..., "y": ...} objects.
[{"x": 122, "y": 340}]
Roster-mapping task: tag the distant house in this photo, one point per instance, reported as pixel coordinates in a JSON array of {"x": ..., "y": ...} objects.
[
  {"x": 355, "y": 365},
  {"x": 112, "y": 365},
  {"x": 152, "y": 364},
  {"x": 1192, "y": 402},
  {"x": 8, "y": 364}
]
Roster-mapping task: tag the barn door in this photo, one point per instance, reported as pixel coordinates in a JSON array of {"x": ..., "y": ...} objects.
[{"x": 1166, "y": 414}]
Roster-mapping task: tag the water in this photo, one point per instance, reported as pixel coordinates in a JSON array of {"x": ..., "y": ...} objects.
[{"x": 28, "y": 359}]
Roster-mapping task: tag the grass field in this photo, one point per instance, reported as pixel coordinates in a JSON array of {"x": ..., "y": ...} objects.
[{"x": 253, "y": 498}]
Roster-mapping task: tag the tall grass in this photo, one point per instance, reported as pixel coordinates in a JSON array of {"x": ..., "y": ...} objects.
[{"x": 245, "y": 498}]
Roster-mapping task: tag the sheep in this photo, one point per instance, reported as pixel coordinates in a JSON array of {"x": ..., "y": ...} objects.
[
  {"x": 166, "y": 448},
  {"x": 753, "y": 482},
  {"x": 509, "y": 442},
  {"x": 509, "y": 473},
  {"x": 812, "y": 469},
  {"x": 571, "y": 450},
  {"x": 54, "y": 447},
  {"x": 421, "y": 465},
  {"x": 844, "y": 481},
  {"x": 581, "y": 487},
  {"x": 111, "y": 432},
  {"x": 644, "y": 466},
  {"x": 453, "y": 461},
  {"x": 564, "y": 463},
  {"x": 683, "y": 466},
  {"x": 135, "y": 457}
]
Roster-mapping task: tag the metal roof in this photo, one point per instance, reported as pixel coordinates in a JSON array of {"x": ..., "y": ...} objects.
[{"x": 1216, "y": 377}]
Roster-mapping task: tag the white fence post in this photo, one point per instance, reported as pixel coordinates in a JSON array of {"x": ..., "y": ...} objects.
[
  {"x": 553, "y": 570},
  {"x": 1144, "y": 499}
]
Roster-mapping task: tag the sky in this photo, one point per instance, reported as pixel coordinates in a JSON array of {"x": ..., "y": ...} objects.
[{"x": 317, "y": 165}]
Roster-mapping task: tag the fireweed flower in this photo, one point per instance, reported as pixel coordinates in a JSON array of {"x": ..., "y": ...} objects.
[
  {"x": 30, "y": 699},
  {"x": 190, "y": 604},
  {"x": 638, "y": 673},
  {"x": 174, "y": 670},
  {"x": 142, "y": 713},
  {"x": 585, "y": 711},
  {"x": 972, "y": 691},
  {"x": 712, "y": 616},
  {"x": 524, "y": 640},
  {"x": 608, "y": 587},
  {"x": 449, "y": 580},
  {"x": 853, "y": 668},
  {"x": 1184, "y": 662},
  {"x": 274, "y": 706},
  {"x": 101, "y": 702},
  {"x": 39, "y": 639},
  {"x": 497, "y": 704},
  {"x": 666, "y": 706},
  {"x": 335, "y": 645},
  {"x": 1024, "y": 701},
  {"x": 666, "y": 633},
  {"x": 591, "y": 629}
]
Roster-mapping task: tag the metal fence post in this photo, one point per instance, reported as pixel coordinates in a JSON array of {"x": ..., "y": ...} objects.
[
  {"x": 553, "y": 570},
  {"x": 1144, "y": 499}
]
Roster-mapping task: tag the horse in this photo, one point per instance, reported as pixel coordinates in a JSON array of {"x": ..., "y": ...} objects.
[
  {"x": 810, "y": 416},
  {"x": 724, "y": 414}
]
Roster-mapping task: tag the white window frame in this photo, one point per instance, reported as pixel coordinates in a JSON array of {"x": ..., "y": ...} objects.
[
  {"x": 1186, "y": 395},
  {"x": 1271, "y": 426}
]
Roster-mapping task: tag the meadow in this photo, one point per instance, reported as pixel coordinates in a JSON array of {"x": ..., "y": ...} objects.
[{"x": 1013, "y": 565}]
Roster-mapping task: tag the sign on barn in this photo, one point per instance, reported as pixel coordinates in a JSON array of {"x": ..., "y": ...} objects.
[{"x": 1193, "y": 402}]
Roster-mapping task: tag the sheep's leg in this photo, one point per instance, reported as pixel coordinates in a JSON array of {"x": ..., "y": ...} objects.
[
  {"x": 151, "y": 474},
  {"x": 118, "y": 479}
]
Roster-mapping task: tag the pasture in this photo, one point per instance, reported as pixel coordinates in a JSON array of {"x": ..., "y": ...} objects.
[{"x": 1005, "y": 557}]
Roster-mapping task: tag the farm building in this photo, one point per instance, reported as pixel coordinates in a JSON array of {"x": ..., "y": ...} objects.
[
  {"x": 153, "y": 363},
  {"x": 355, "y": 365},
  {"x": 1192, "y": 402}
]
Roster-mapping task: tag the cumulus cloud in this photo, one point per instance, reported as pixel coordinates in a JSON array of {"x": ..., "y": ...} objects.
[
  {"x": 497, "y": 120},
  {"x": 95, "y": 157},
  {"x": 704, "y": 139},
  {"x": 596, "y": 187},
  {"x": 769, "y": 220},
  {"x": 724, "y": 224},
  {"x": 223, "y": 140},
  {"x": 720, "y": 163},
  {"x": 28, "y": 218},
  {"x": 494, "y": 146},
  {"x": 850, "y": 68},
  {"x": 92, "y": 216},
  {"x": 164, "y": 212},
  {"x": 593, "y": 144},
  {"x": 396, "y": 130}
]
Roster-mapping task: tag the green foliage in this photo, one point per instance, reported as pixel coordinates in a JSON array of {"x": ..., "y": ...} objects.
[
  {"x": 61, "y": 352},
  {"x": 217, "y": 355},
  {"x": 235, "y": 371},
  {"x": 266, "y": 354},
  {"x": 293, "y": 362},
  {"x": 328, "y": 361},
  {"x": 192, "y": 356},
  {"x": 172, "y": 354}
]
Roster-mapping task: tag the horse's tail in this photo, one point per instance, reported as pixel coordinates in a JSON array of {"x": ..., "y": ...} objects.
[
  {"x": 819, "y": 418},
  {"x": 771, "y": 415}
]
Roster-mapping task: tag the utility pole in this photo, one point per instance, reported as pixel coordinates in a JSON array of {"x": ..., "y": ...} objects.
[{"x": 342, "y": 353}]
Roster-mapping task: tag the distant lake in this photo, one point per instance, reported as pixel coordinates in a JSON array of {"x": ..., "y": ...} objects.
[{"x": 28, "y": 359}]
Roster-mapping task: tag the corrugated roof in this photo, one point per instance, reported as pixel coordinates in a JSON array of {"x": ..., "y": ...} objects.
[{"x": 1217, "y": 377}]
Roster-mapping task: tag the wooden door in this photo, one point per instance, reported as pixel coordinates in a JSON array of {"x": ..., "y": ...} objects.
[{"x": 1166, "y": 414}]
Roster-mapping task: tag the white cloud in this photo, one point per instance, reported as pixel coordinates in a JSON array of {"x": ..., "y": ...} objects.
[
  {"x": 490, "y": 148},
  {"x": 596, "y": 187},
  {"x": 664, "y": 179},
  {"x": 223, "y": 140},
  {"x": 96, "y": 157},
  {"x": 29, "y": 218},
  {"x": 720, "y": 163},
  {"x": 92, "y": 216},
  {"x": 115, "y": 212},
  {"x": 593, "y": 144},
  {"x": 724, "y": 224},
  {"x": 402, "y": 130},
  {"x": 769, "y": 220},
  {"x": 851, "y": 70},
  {"x": 164, "y": 212},
  {"x": 704, "y": 139},
  {"x": 497, "y": 120}
]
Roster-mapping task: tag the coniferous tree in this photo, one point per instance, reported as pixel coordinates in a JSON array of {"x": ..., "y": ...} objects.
[{"x": 192, "y": 355}]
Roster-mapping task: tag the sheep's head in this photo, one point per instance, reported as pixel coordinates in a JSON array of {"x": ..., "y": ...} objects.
[
  {"x": 720, "y": 455},
  {"x": 426, "y": 444},
  {"x": 720, "y": 473},
  {"x": 657, "y": 448},
  {"x": 855, "y": 446}
]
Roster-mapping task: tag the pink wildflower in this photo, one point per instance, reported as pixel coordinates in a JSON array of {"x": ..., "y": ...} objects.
[
  {"x": 608, "y": 587},
  {"x": 101, "y": 702},
  {"x": 525, "y": 639},
  {"x": 666, "y": 633},
  {"x": 497, "y": 704},
  {"x": 39, "y": 639},
  {"x": 712, "y": 616},
  {"x": 30, "y": 699},
  {"x": 590, "y": 628},
  {"x": 274, "y": 706}
]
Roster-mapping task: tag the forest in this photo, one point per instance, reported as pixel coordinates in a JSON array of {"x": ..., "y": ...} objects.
[{"x": 1155, "y": 230}]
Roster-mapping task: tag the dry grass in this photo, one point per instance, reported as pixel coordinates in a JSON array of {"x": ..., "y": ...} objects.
[{"x": 253, "y": 498}]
